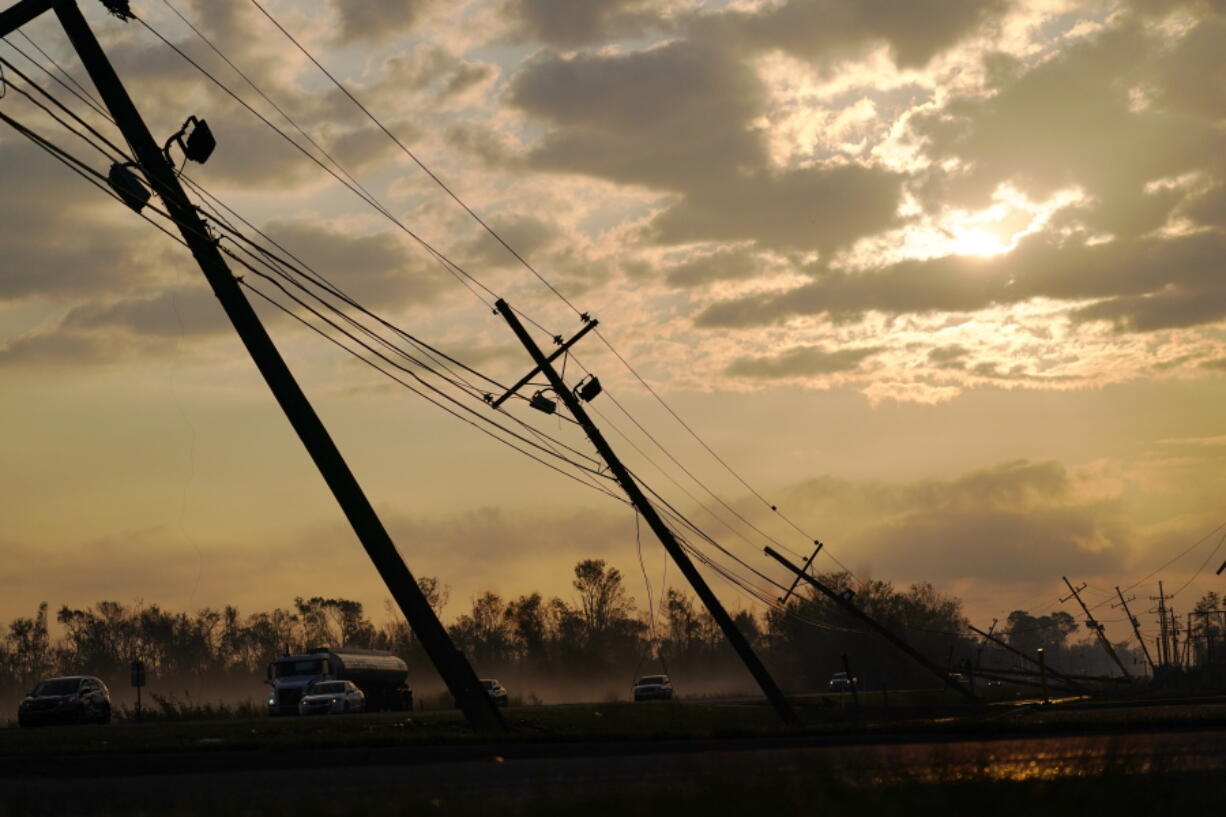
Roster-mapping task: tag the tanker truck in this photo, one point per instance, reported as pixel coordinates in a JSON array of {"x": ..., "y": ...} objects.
[{"x": 382, "y": 676}]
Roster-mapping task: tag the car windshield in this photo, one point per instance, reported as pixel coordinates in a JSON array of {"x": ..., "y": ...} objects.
[
  {"x": 652, "y": 679},
  {"x": 489, "y": 684},
  {"x": 281, "y": 669},
  {"x": 58, "y": 686},
  {"x": 327, "y": 687}
]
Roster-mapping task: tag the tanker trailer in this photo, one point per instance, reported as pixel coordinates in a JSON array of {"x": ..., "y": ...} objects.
[{"x": 382, "y": 676}]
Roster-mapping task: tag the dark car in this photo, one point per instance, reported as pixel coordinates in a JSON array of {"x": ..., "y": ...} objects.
[
  {"x": 842, "y": 682},
  {"x": 496, "y": 691},
  {"x": 653, "y": 687},
  {"x": 71, "y": 699}
]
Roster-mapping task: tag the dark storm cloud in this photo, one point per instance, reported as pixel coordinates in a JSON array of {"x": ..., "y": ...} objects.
[
  {"x": 678, "y": 119},
  {"x": 802, "y": 361},
  {"x": 567, "y": 24},
  {"x": 1147, "y": 283},
  {"x": 375, "y": 21},
  {"x": 914, "y": 30}
]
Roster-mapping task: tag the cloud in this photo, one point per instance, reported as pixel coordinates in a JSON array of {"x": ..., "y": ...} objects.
[
  {"x": 724, "y": 264},
  {"x": 375, "y": 21},
  {"x": 1106, "y": 115},
  {"x": 62, "y": 238},
  {"x": 800, "y": 362},
  {"x": 1146, "y": 284},
  {"x": 566, "y": 24},
  {"x": 41, "y": 350},
  {"x": 183, "y": 311},
  {"x": 1014, "y": 522},
  {"x": 678, "y": 118},
  {"x": 914, "y": 30},
  {"x": 378, "y": 269}
]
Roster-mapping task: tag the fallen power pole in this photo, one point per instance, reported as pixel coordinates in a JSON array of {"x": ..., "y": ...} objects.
[
  {"x": 454, "y": 668},
  {"x": 1022, "y": 655},
  {"x": 856, "y": 612},
  {"x": 571, "y": 399},
  {"x": 1094, "y": 625},
  {"x": 1136, "y": 626}
]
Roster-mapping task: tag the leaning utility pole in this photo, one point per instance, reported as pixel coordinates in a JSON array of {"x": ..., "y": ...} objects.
[
  {"x": 735, "y": 637},
  {"x": 843, "y": 600},
  {"x": 454, "y": 668},
  {"x": 995, "y": 640},
  {"x": 1136, "y": 626},
  {"x": 983, "y": 644},
  {"x": 1164, "y": 646},
  {"x": 1094, "y": 625}
]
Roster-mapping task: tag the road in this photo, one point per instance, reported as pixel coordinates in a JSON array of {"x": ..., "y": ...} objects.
[{"x": 135, "y": 783}]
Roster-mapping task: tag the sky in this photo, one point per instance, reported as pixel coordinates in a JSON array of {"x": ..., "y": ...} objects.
[{"x": 940, "y": 280}]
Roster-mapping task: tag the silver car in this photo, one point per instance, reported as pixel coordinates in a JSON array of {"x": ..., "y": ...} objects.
[{"x": 332, "y": 697}]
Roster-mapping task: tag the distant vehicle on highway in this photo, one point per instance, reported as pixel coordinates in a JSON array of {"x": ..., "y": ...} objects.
[
  {"x": 842, "y": 682},
  {"x": 653, "y": 688},
  {"x": 332, "y": 697},
  {"x": 496, "y": 691},
  {"x": 382, "y": 676},
  {"x": 70, "y": 699}
]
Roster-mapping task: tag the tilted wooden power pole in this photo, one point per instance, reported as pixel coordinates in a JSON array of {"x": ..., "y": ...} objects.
[
  {"x": 1094, "y": 625},
  {"x": 1164, "y": 645},
  {"x": 735, "y": 637},
  {"x": 1136, "y": 627},
  {"x": 454, "y": 668}
]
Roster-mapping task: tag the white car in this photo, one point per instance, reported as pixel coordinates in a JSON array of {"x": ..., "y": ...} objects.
[{"x": 337, "y": 697}]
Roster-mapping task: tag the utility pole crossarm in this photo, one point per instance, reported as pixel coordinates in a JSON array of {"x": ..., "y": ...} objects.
[
  {"x": 635, "y": 493},
  {"x": 562, "y": 349},
  {"x": 870, "y": 621},
  {"x": 17, "y": 15},
  {"x": 804, "y": 569}
]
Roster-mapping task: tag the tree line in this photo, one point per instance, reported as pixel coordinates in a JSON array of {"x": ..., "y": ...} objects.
[{"x": 597, "y": 635}]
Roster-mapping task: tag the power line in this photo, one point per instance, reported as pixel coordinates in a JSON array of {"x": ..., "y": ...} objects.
[
  {"x": 463, "y": 276},
  {"x": 99, "y": 181},
  {"x": 341, "y": 87},
  {"x": 433, "y": 176},
  {"x": 373, "y": 202}
]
